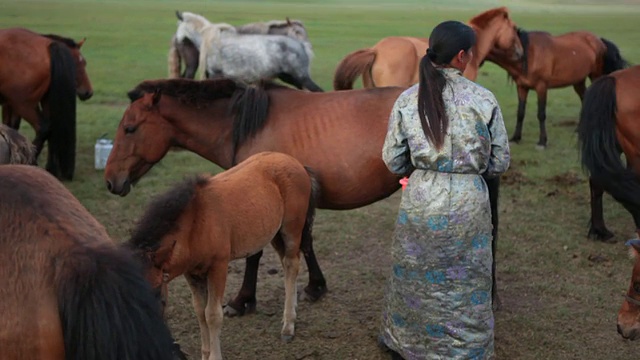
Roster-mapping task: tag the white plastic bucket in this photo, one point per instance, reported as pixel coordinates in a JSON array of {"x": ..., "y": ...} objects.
[{"x": 102, "y": 151}]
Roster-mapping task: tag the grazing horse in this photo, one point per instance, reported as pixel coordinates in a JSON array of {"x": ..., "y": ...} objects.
[
  {"x": 186, "y": 51},
  {"x": 629, "y": 313},
  {"x": 247, "y": 58},
  {"x": 337, "y": 134},
  {"x": 551, "y": 62},
  {"x": 608, "y": 125},
  {"x": 199, "y": 226},
  {"x": 68, "y": 292},
  {"x": 40, "y": 76},
  {"x": 395, "y": 60},
  {"x": 15, "y": 148}
]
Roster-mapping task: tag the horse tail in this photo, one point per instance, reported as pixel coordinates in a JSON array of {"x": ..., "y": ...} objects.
[
  {"x": 613, "y": 60},
  {"x": 307, "y": 238},
  {"x": 599, "y": 146},
  {"x": 250, "y": 106},
  {"x": 352, "y": 66},
  {"x": 174, "y": 60},
  {"x": 107, "y": 309},
  {"x": 61, "y": 122}
]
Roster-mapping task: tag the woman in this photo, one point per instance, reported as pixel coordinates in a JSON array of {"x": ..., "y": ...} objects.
[{"x": 447, "y": 132}]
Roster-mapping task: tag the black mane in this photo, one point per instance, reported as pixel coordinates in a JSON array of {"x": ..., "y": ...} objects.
[
  {"x": 524, "y": 40},
  {"x": 162, "y": 213},
  {"x": 69, "y": 42}
]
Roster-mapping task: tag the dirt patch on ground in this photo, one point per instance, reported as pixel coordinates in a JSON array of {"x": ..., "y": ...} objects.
[{"x": 569, "y": 178}]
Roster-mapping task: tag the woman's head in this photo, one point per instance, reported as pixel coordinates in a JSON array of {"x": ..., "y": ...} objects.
[{"x": 450, "y": 43}]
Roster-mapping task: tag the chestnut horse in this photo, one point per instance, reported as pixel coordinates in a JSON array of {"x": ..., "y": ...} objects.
[
  {"x": 551, "y": 62},
  {"x": 40, "y": 76},
  {"x": 337, "y": 134},
  {"x": 14, "y": 148},
  {"x": 199, "y": 226},
  {"x": 629, "y": 313},
  {"x": 68, "y": 292},
  {"x": 395, "y": 60},
  {"x": 609, "y": 124}
]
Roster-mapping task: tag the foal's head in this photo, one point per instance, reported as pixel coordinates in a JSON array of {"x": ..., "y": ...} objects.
[
  {"x": 497, "y": 23},
  {"x": 629, "y": 314}
]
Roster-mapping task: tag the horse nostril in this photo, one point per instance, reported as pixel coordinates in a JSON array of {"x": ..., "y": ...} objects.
[{"x": 110, "y": 186}]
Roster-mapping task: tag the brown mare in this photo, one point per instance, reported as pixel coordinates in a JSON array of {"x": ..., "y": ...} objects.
[
  {"x": 609, "y": 124},
  {"x": 629, "y": 313},
  {"x": 15, "y": 148},
  {"x": 201, "y": 225},
  {"x": 337, "y": 134},
  {"x": 551, "y": 62},
  {"x": 40, "y": 76},
  {"x": 395, "y": 60},
  {"x": 68, "y": 292},
  {"x": 186, "y": 50}
]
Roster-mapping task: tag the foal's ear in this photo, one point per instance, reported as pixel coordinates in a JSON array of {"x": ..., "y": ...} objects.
[
  {"x": 81, "y": 42},
  {"x": 634, "y": 247},
  {"x": 156, "y": 97}
]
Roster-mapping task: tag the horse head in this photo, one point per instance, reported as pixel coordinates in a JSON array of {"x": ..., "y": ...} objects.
[
  {"x": 496, "y": 25},
  {"x": 84, "y": 90},
  {"x": 629, "y": 314},
  {"x": 143, "y": 138}
]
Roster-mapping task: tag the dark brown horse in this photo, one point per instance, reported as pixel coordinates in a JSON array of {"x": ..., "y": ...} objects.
[
  {"x": 610, "y": 124},
  {"x": 68, "y": 292},
  {"x": 395, "y": 60},
  {"x": 187, "y": 52},
  {"x": 201, "y": 225},
  {"x": 629, "y": 313},
  {"x": 15, "y": 148},
  {"x": 40, "y": 76},
  {"x": 551, "y": 62},
  {"x": 337, "y": 134}
]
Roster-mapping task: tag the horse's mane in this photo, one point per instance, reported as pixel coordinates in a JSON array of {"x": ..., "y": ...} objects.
[
  {"x": 524, "y": 40},
  {"x": 249, "y": 103},
  {"x": 283, "y": 23},
  {"x": 482, "y": 20},
  {"x": 162, "y": 213},
  {"x": 67, "y": 41}
]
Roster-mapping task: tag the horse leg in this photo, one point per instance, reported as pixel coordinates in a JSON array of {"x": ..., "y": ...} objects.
[
  {"x": 542, "y": 116},
  {"x": 199, "y": 296},
  {"x": 580, "y": 88},
  {"x": 245, "y": 301},
  {"x": 597, "y": 228},
  {"x": 522, "y": 105},
  {"x": 290, "y": 259},
  {"x": 216, "y": 282},
  {"x": 10, "y": 118},
  {"x": 317, "y": 286},
  {"x": 35, "y": 117}
]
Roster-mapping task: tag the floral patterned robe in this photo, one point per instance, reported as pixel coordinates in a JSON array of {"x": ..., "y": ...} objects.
[{"x": 438, "y": 303}]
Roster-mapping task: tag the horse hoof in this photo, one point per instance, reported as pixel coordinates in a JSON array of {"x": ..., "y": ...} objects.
[
  {"x": 286, "y": 338},
  {"x": 313, "y": 294},
  {"x": 229, "y": 311},
  {"x": 603, "y": 235},
  {"x": 515, "y": 140}
]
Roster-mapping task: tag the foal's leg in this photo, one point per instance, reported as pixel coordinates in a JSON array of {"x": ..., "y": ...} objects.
[
  {"x": 199, "y": 297},
  {"x": 289, "y": 252},
  {"x": 542, "y": 115},
  {"x": 522, "y": 104},
  {"x": 597, "y": 228},
  {"x": 245, "y": 301},
  {"x": 216, "y": 282}
]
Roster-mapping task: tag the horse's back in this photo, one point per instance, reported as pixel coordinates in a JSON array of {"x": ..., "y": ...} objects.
[{"x": 397, "y": 60}]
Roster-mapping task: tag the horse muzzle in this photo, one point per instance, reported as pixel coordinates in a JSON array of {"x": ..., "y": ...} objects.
[
  {"x": 85, "y": 95},
  {"x": 116, "y": 187},
  {"x": 630, "y": 333}
]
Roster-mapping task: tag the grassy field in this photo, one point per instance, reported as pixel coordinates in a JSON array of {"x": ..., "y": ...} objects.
[{"x": 561, "y": 291}]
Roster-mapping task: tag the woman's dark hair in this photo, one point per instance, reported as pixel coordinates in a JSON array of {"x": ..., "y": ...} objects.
[{"x": 446, "y": 40}]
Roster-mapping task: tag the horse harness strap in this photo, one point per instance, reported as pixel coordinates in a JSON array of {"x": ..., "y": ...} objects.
[{"x": 632, "y": 300}]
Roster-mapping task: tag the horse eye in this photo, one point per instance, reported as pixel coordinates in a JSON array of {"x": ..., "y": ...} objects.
[
  {"x": 636, "y": 287},
  {"x": 129, "y": 129}
]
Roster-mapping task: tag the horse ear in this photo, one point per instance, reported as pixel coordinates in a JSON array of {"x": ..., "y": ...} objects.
[
  {"x": 81, "y": 42},
  {"x": 156, "y": 97},
  {"x": 179, "y": 15},
  {"x": 288, "y": 21}
]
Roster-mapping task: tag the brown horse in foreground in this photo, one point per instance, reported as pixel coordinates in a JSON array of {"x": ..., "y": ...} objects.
[
  {"x": 395, "y": 60},
  {"x": 200, "y": 226},
  {"x": 609, "y": 124},
  {"x": 40, "y": 76},
  {"x": 337, "y": 134},
  {"x": 68, "y": 293},
  {"x": 14, "y": 148},
  {"x": 551, "y": 62},
  {"x": 629, "y": 313}
]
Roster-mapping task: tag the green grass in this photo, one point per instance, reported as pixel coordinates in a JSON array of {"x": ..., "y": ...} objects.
[{"x": 558, "y": 303}]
